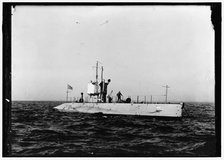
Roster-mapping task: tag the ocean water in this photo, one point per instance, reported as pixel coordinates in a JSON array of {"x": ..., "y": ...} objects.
[{"x": 40, "y": 130}]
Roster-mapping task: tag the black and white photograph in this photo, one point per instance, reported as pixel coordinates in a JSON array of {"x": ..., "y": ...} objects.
[{"x": 111, "y": 80}]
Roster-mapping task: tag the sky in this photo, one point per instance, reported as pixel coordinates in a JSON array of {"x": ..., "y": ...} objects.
[{"x": 141, "y": 48}]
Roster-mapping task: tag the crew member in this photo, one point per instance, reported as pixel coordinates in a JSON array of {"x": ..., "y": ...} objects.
[
  {"x": 103, "y": 89},
  {"x": 109, "y": 98},
  {"x": 81, "y": 99},
  {"x": 119, "y": 96}
]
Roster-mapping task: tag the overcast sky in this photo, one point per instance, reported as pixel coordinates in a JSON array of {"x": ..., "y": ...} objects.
[{"x": 141, "y": 48}]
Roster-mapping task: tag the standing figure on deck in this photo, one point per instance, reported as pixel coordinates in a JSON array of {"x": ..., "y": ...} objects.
[
  {"x": 110, "y": 97},
  {"x": 119, "y": 96},
  {"x": 81, "y": 99},
  {"x": 103, "y": 90}
]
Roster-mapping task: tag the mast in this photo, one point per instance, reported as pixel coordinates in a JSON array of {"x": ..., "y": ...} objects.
[
  {"x": 97, "y": 82},
  {"x": 102, "y": 82},
  {"x": 97, "y": 79},
  {"x": 166, "y": 91},
  {"x": 97, "y": 74}
]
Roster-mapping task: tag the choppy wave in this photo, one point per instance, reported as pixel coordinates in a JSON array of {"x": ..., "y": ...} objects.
[{"x": 40, "y": 130}]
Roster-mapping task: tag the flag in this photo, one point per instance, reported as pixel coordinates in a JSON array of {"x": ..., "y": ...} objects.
[{"x": 69, "y": 87}]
